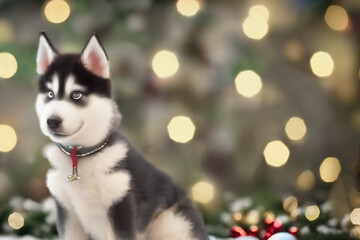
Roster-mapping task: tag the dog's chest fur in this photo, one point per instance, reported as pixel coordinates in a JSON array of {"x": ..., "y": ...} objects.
[{"x": 90, "y": 198}]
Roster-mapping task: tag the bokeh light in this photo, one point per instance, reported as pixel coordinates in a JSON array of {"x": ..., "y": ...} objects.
[
  {"x": 181, "y": 129},
  {"x": 355, "y": 216},
  {"x": 8, "y": 138},
  {"x": 330, "y": 169},
  {"x": 295, "y": 128},
  {"x": 312, "y": 212},
  {"x": 57, "y": 11},
  {"x": 290, "y": 203},
  {"x": 203, "y": 192},
  {"x": 165, "y": 64},
  {"x": 16, "y": 220},
  {"x": 188, "y": 8},
  {"x": 8, "y": 65},
  {"x": 248, "y": 83},
  {"x": 259, "y": 10},
  {"x": 255, "y": 27},
  {"x": 322, "y": 64},
  {"x": 306, "y": 180},
  {"x": 276, "y": 153},
  {"x": 253, "y": 217},
  {"x": 269, "y": 217},
  {"x": 336, "y": 18},
  {"x": 7, "y": 31},
  {"x": 294, "y": 214},
  {"x": 238, "y": 216}
]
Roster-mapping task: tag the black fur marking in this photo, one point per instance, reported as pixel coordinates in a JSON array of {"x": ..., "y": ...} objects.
[
  {"x": 70, "y": 64},
  {"x": 48, "y": 41},
  {"x": 154, "y": 191},
  {"x": 61, "y": 218},
  {"x": 122, "y": 216}
]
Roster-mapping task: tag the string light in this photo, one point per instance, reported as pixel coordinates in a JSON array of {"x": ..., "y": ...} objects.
[
  {"x": 188, "y": 8},
  {"x": 336, "y": 18},
  {"x": 16, "y": 220},
  {"x": 295, "y": 128},
  {"x": 181, "y": 129},
  {"x": 306, "y": 180},
  {"x": 355, "y": 216},
  {"x": 57, "y": 11},
  {"x": 165, "y": 64},
  {"x": 322, "y": 64},
  {"x": 276, "y": 153},
  {"x": 8, "y": 65},
  {"x": 248, "y": 83},
  {"x": 312, "y": 212},
  {"x": 7, "y": 31},
  {"x": 330, "y": 169},
  {"x": 203, "y": 192},
  {"x": 8, "y": 138}
]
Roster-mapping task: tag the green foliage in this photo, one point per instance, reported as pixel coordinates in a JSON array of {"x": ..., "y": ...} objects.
[{"x": 35, "y": 223}]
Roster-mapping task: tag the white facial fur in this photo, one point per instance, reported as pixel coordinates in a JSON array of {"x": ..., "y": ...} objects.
[{"x": 86, "y": 125}]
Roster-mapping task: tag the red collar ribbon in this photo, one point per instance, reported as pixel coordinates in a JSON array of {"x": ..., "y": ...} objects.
[{"x": 75, "y": 175}]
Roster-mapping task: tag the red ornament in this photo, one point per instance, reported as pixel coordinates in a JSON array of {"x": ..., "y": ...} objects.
[
  {"x": 237, "y": 232},
  {"x": 268, "y": 221},
  {"x": 294, "y": 231},
  {"x": 273, "y": 228},
  {"x": 278, "y": 225},
  {"x": 267, "y": 236},
  {"x": 253, "y": 231}
]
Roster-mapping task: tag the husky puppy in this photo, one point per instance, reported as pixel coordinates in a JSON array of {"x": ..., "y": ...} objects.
[{"x": 112, "y": 192}]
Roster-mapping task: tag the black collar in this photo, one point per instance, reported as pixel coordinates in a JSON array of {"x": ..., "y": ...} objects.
[{"x": 82, "y": 151}]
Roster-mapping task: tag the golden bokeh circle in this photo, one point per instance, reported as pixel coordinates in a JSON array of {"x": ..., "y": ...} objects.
[
  {"x": 57, "y": 11},
  {"x": 165, "y": 64},
  {"x": 8, "y": 138},
  {"x": 16, "y": 220},
  {"x": 8, "y": 65}
]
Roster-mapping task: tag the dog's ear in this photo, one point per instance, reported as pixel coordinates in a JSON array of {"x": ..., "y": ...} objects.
[
  {"x": 94, "y": 58},
  {"x": 45, "y": 54}
]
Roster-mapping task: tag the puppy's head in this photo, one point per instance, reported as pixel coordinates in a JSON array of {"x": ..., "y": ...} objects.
[{"x": 74, "y": 104}]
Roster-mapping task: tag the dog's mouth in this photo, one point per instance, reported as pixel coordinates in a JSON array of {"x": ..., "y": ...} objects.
[{"x": 61, "y": 134}]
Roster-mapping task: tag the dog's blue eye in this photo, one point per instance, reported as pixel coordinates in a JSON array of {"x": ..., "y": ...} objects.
[
  {"x": 76, "y": 95},
  {"x": 50, "y": 94}
]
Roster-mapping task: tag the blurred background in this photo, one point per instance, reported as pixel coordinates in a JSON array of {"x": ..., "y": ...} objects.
[{"x": 247, "y": 99}]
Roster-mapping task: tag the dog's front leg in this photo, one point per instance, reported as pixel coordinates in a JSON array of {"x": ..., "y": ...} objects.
[
  {"x": 74, "y": 230},
  {"x": 68, "y": 225},
  {"x": 122, "y": 218}
]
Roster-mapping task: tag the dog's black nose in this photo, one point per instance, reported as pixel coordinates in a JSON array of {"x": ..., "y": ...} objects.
[{"x": 54, "y": 122}]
